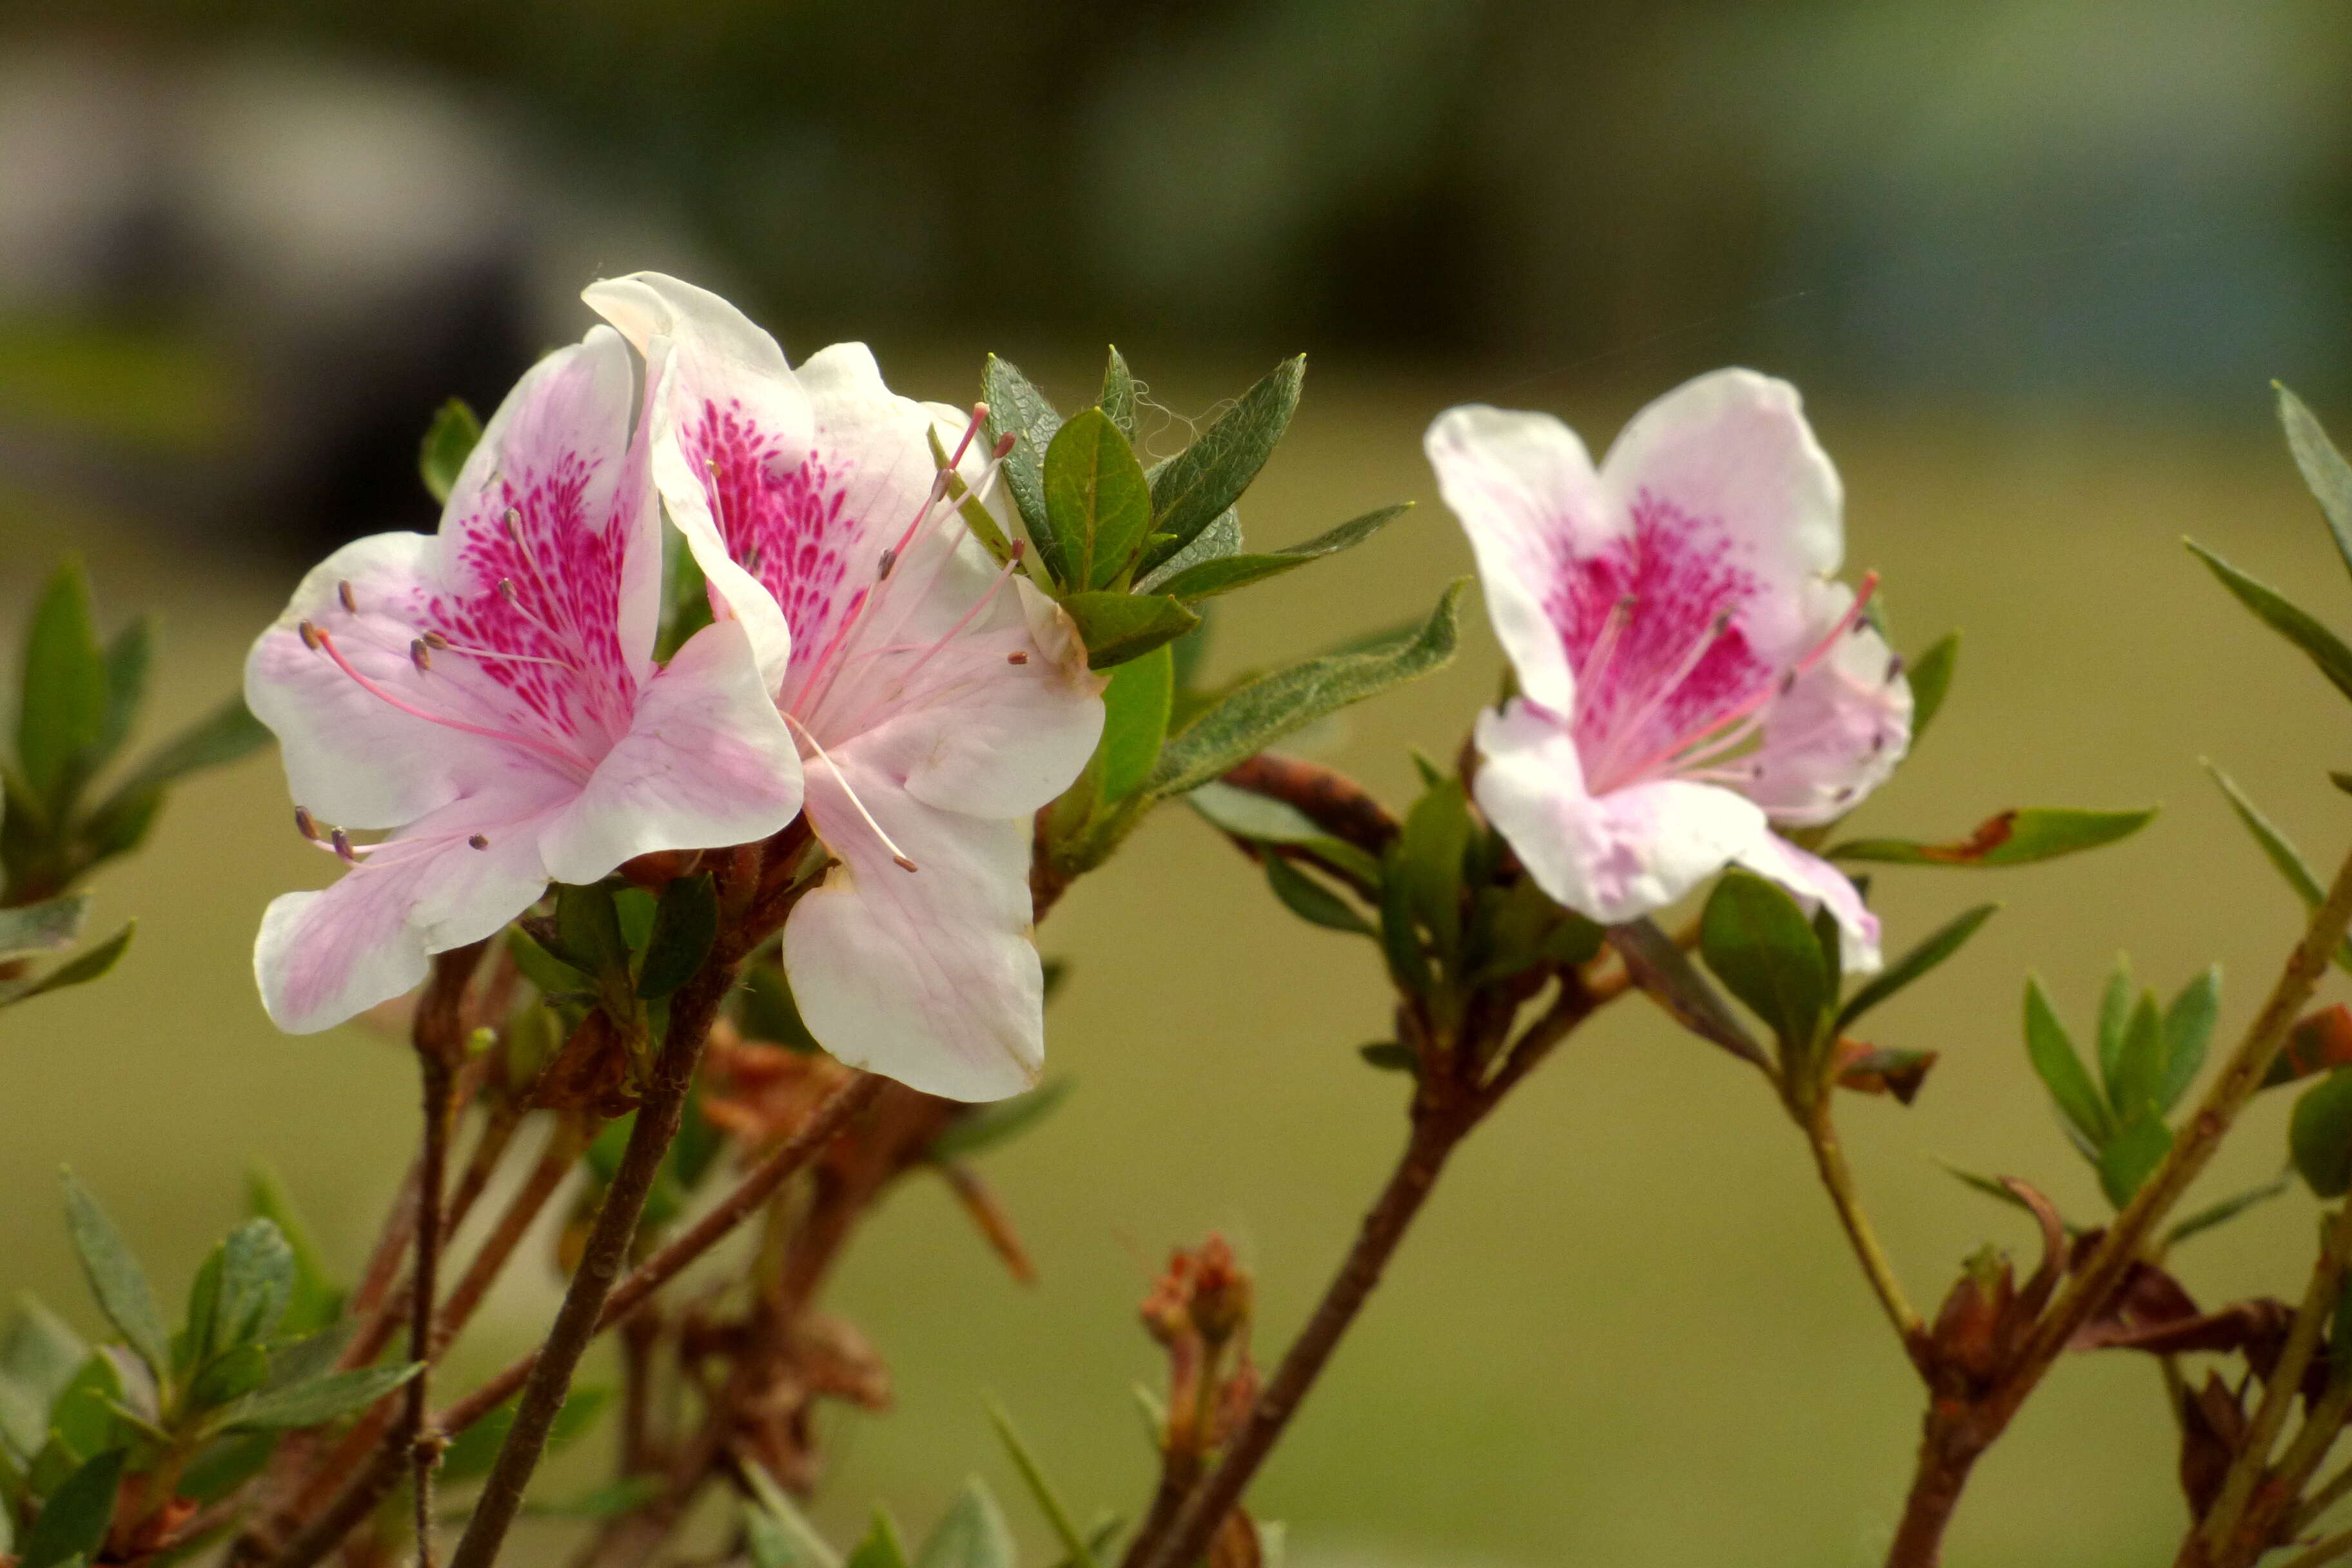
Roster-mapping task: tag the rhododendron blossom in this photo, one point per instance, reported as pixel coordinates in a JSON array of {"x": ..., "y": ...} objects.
[
  {"x": 937, "y": 697},
  {"x": 489, "y": 694},
  {"x": 1689, "y": 672}
]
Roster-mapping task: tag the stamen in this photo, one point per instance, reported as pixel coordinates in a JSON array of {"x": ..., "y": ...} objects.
[
  {"x": 306, "y": 824},
  {"x": 1604, "y": 646},
  {"x": 507, "y": 591},
  {"x": 889, "y": 559},
  {"x": 532, "y": 742},
  {"x": 752, "y": 560},
  {"x": 420, "y": 656},
  {"x": 343, "y": 592},
  {"x": 343, "y": 850},
  {"x": 1628, "y": 730},
  {"x": 1016, "y": 658},
  {"x": 479, "y": 841},
  {"x": 435, "y": 640},
  {"x": 310, "y": 635},
  {"x": 842, "y": 780},
  {"x": 1004, "y": 574},
  {"x": 440, "y": 644}
]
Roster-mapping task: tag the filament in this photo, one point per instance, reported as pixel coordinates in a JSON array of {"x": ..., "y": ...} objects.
[{"x": 841, "y": 778}]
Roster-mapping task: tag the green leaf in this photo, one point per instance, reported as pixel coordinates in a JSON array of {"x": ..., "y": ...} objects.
[
  {"x": 881, "y": 1548},
  {"x": 2228, "y": 1209},
  {"x": 2133, "y": 1155},
  {"x": 1017, "y": 408},
  {"x": 1254, "y": 716},
  {"x": 227, "y": 734},
  {"x": 317, "y": 1300},
  {"x": 63, "y": 698},
  {"x": 1261, "y": 819},
  {"x": 2115, "y": 1024},
  {"x": 1761, "y": 946},
  {"x": 2011, "y": 839},
  {"x": 231, "y": 1376},
  {"x": 115, "y": 1278},
  {"x": 1224, "y": 573},
  {"x": 686, "y": 924},
  {"x": 1946, "y": 941},
  {"x": 1993, "y": 1189},
  {"x": 75, "y": 1520},
  {"x": 1118, "y": 399},
  {"x": 2321, "y": 647},
  {"x": 1931, "y": 682},
  {"x": 79, "y": 970},
  {"x": 257, "y": 1281},
  {"x": 550, "y": 975},
  {"x": 225, "y": 1464},
  {"x": 1311, "y": 901},
  {"x": 1430, "y": 854},
  {"x": 195, "y": 1342},
  {"x": 1400, "y": 937},
  {"x": 450, "y": 440},
  {"x": 39, "y": 1351},
  {"x": 971, "y": 1534},
  {"x": 2051, "y": 1053},
  {"x": 128, "y": 658},
  {"x": 1665, "y": 974},
  {"x": 1098, "y": 498},
  {"x": 1116, "y": 627},
  {"x": 312, "y": 1356},
  {"x": 1136, "y": 705},
  {"x": 2281, "y": 854},
  {"x": 44, "y": 926},
  {"x": 1221, "y": 538},
  {"x": 992, "y": 1124},
  {"x": 1190, "y": 489},
  {"x": 2323, "y": 468},
  {"x": 321, "y": 1400},
  {"x": 588, "y": 931},
  {"x": 2188, "y": 1033},
  {"x": 82, "y": 1419},
  {"x": 2138, "y": 1081},
  {"x": 780, "y": 1535},
  {"x": 1389, "y": 1056},
  {"x": 2319, "y": 1136},
  {"x": 1041, "y": 1490}
]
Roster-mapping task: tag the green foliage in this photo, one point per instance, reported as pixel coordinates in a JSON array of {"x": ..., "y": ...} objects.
[
  {"x": 1189, "y": 490},
  {"x": 881, "y": 1548},
  {"x": 450, "y": 440},
  {"x": 1119, "y": 626},
  {"x": 1041, "y": 1490},
  {"x": 316, "y": 1300},
  {"x": 2284, "y": 859},
  {"x": 2133, "y": 1155},
  {"x": 79, "y": 970},
  {"x": 1097, "y": 498},
  {"x": 2051, "y": 1051},
  {"x": 1661, "y": 970},
  {"x": 1261, "y": 820},
  {"x": 1224, "y": 572},
  {"x": 1946, "y": 941},
  {"x": 115, "y": 1278},
  {"x": 1118, "y": 399},
  {"x": 74, "y": 1521},
  {"x": 2016, "y": 838},
  {"x": 1931, "y": 682},
  {"x": 63, "y": 695},
  {"x": 2228, "y": 1209},
  {"x": 1310, "y": 901},
  {"x": 2275, "y": 610},
  {"x": 686, "y": 924},
  {"x": 778, "y": 1533},
  {"x": 2319, "y": 1136},
  {"x": 1016, "y": 407},
  {"x": 1136, "y": 705},
  {"x": 2147, "y": 1057},
  {"x": 971, "y": 1534},
  {"x": 985, "y": 1127},
  {"x": 317, "y": 1401},
  {"x": 1762, "y": 947}
]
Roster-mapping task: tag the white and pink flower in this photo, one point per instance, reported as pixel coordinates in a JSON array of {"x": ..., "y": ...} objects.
[
  {"x": 489, "y": 695},
  {"x": 1690, "y": 673},
  {"x": 938, "y": 699}
]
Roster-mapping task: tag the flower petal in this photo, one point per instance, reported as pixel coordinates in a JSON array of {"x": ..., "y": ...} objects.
[
  {"x": 1527, "y": 494},
  {"x": 928, "y": 976},
  {"x": 1816, "y": 883},
  {"x": 1838, "y": 731},
  {"x": 323, "y": 957},
  {"x": 1614, "y": 856},
  {"x": 1727, "y": 464},
  {"x": 707, "y": 764},
  {"x": 729, "y": 419}
]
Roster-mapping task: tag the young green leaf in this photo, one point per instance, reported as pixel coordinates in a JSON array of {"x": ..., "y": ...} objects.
[
  {"x": 63, "y": 698},
  {"x": 1098, "y": 498},
  {"x": 449, "y": 441},
  {"x": 1311, "y": 901},
  {"x": 2138, "y": 1084},
  {"x": 986, "y": 1126},
  {"x": 1118, "y": 399},
  {"x": 1760, "y": 945},
  {"x": 1254, "y": 716},
  {"x": 257, "y": 1281},
  {"x": 1017, "y": 408},
  {"x": 790, "y": 1541},
  {"x": 44, "y": 926},
  {"x": 1224, "y": 573},
  {"x": 1400, "y": 944},
  {"x": 881, "y": 1548},
  {"x": 2319, "y": 1136},
  {"x": 128, "y": 658},
  {"x": 1136, "y": 705},
  {"x": 1667, "y": 975},
  {"x": 686, "y": 924},
  {"x": 2015, "y": 837},
  {"x": 1190, "y": 489},
  {"x": 971, "y": 1534},
  {"x": 233, "y": 1374},
  {"x": 2284, "y": 859},
  {"x": 1436, "y": 835},
  {"x": 318, "y": 1401},
  {"x": 2132, "y": 1156},
  {"x": 317, "y": 1301},
  {"x": 115, "y": 1278},
  {"x": 1931, "y": 682},
  {"x": 2323, "y": 468},
  {"x": 1116, "y": 627},
  {"x": 2188, "y": 1033},
  {"x": 39, "y": 1352},
  {"x": 2051, "y": 1053},
  {"x": 74, "y": 1521},
  {"x": 1946, "y": 941},
  {"x": 2115, "y": 1023},
  {"x": 2228, "y": 1209},
  {"x": 1041, "y": 1490},
  {"x": 1221, "y": 538},
  {"x": 79, "y": 970},
  {"x": 2273, "y": 609}
]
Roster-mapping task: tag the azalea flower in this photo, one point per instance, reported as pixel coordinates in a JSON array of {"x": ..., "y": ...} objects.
[
  {"x": 938, "y": 699},
  {"x": 1690, "y": 674},
  {"x": 489, "y": 695}
]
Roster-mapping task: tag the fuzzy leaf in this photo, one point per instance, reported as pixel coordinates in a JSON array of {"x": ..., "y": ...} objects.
[
  {"x": 971, "y": 1534},
  {"x": 1225, "y": 574},
  {"x": 1221, "y": 538},
  {"x": 1189, "y": 490},
  {"x": 321, "y": 1400},
  {"x": 1017, "y": 408},
  {"x": 44, "y": 926},
  {"x": 1118, "y": 399},
  {"x": 74, "y": 1522},
  {"x": 79, "y": 970},
  {"x": 115, "y": 1278},
  {"x": 1760, "y": 945},
  {"x": 1261, "y": 819},
  {"x": 1136, "y": 705},
  {"x": 1098, "y": 498},
  {"x": 1116, "y": 627}
]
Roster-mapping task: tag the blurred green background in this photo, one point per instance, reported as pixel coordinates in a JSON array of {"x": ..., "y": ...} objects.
[{"x": 2033, "y": 264}]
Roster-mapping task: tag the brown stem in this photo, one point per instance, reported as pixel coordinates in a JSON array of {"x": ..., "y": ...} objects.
[
  {"x": 692, "y": 1011},
  {"x": 438, "y": 1033},
  {"x": 1332, "y": 800},
  {"x": 555, "y": 1163},
  {"x": 1953, "y": 1440},
  {"x": 2334, "y": 1548},
  {"x": 1435, "y": 1134}
]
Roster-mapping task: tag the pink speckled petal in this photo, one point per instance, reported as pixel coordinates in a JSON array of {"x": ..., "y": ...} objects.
[{"x": 1838, "y": 731}]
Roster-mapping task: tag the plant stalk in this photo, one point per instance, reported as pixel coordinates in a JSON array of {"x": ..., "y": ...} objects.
[
  {"x": 438, "y": 1033},
  {"x": 1837, "y": 1178}
]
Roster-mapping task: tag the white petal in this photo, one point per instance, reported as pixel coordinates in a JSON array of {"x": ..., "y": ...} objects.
[
  {"x": 1836, "y": 734},
  {"x": 1611, "y": 857},
  {"x": 1729, "y": 459},
  {"x": 708, "y": 764},
  {"x": 1526, "y": 495},
  {"x": 927, "y": 976},
  {"x": 1816, "y": 883}
]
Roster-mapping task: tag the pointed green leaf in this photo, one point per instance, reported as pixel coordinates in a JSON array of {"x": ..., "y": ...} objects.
[
  {"x": 588, "y": 931},
  {"x": 1263, "y": 820},
  {"x": 1400, "y": 935},
  {"x": 971, "y": 1534},
  {"x": 2051, "y": 1053},
  {"x": 1017, "y": 408},
  {"x": 2323, "y": 468},
  {"x": 2138, "y": 1082},
  {"x": 1136, "y": 705},
  {"x": 2228, "y": 1209},
  {"x": 317, "y": 1301},
  {"x": 1098, "y": 498},
  {"x": 1225, "y": 574},
  {"x": 63, "y": 698},
  {"x": 984, "y": 1127},
  {"x": 321, "y": 1400},
  {"x": 1931, "y": 682},
  {"x": 1436, "y": 837},
  {"x": 225, "y": 1464},
  {"x": 881, "y": 1548},
  {"x": 1946, "y": 941},
  {"x": 1311, "y": 901},
  {"x": 44, "y": 926},
  {"x": 450, "y": 440},
  {"x": 1254, "y": 716},
  {"x": 1190, "y": 489},
  {"x": 115, "y": 1278},
  {"x": 2273, "y": 609},
  {"x": 74, "y": 1522},
  {"x": 257, "y": 1281},
  {"x": 2188, "y": 1032},
  {"x": 1118, "y": 399},
  {"x": 686, "y": 925},
  {"x": 784, "y": 1536},
  {"x": 2281, "y": 854},
  {"x": 2016, "y": 838},
  {"x": 79, "y": 970},
  {"x": 2319, "y": 1136},
  {"x": 1221, "y": 538},
  {"x": 1760, "y": 945},
  {"x": 230, "y": 1375},
  {"x": 1116, "y": 627},
  {"x": 1669, "y": 978},
  {"x": 2133, "y": 1155},
  {"x": 2115, "y": 1023},
  {"x": 1041, "y": 1490},
  {"x": 39, "y": 1351},
  {"x": 128, "y": 658}
]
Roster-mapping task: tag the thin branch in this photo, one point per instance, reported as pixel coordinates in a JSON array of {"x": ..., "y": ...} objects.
[
  {"x": 547, "y": 1174},
  {"x": 2334, "y": 1547},
  {"x": 1837, "y": 1178},
  {"x": 438, "y": 1033}
]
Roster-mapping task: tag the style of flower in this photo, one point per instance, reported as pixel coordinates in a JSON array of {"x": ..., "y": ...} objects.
[
  {"x": 1689, "y": 673},
  {"x": 489, "y": 694},
  {"x": 937, "y": 697}
]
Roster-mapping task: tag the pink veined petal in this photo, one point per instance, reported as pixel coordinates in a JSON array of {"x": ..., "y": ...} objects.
[
  {"x": 1817, "y": 884},
  {"x": 1528, "y": 496},
  {"x": 726, "y": 401},
  {"x": 1611, "y": 857},
  {"x": 708, "y": 762},
  {"x": 1837, "y": 733},
  {"x": 927, "y": 976},
  {"x": 1726, "y": 465},
  {"x": 324, "y": 956}
]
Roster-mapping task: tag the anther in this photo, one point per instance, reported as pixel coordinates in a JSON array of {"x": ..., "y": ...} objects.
[
  {"x": 1016, "y": 658},
  {"x": 889, "y": 559},
  {"x": 343, "y": 592},
  {"x": 507, "y": 592},
  {"x": 478, "y": 842},
  {"x": 1004, "y": 446},
  {"x": 343, "y": 843},
  {"x": 513, "y": 519},
  {"x": 1894, "y": 668},
  {"x": 420, "y": 656},
  {"x": 435, "y": 641},
  {"x": 306, "y": 824},
  {"x": 310, "y": 635}
]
